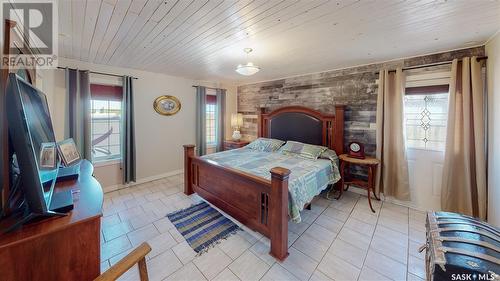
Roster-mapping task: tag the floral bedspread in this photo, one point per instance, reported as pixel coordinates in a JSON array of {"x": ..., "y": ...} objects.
[{"x": 307, "y": 178}]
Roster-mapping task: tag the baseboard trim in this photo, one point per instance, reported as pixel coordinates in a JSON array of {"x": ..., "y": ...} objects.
[
  {"x": 388, "y": 199},
  {"x": 116, "y": 187}
]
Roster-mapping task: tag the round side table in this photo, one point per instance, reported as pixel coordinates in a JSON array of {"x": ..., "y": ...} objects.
[{"x": 370, "y": 163}]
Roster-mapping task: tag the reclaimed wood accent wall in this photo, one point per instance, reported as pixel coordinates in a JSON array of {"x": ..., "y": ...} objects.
[{"x": 354, "y": 87}]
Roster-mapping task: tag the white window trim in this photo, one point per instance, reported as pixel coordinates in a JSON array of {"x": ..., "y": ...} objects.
[
  {"x": 430, "y": 78},
  {"x": 107, "y": 81},
  {"x": 423, "y": 79},
  {"x": 213, "y": 144},
  {"x": 102, "y": 79}
]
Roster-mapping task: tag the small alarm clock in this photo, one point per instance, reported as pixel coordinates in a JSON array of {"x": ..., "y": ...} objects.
[{"x": 356, "y": 150}]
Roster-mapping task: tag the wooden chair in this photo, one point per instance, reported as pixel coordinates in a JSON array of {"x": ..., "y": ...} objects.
[{"x": 138, "y": 255}]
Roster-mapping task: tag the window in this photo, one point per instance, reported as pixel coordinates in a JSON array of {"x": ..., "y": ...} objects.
[
  {"x": 426, "y": 115},
  {"x": 106, "y": 107},
  {"x": 211, "y": 113}
]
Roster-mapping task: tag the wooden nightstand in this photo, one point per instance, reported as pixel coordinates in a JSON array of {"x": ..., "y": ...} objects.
[
  {"x": 368, "y": 162},
  {"x": 230, "y": 144}
]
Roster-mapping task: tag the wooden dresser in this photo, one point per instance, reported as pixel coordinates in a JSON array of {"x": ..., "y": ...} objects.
[
  {"x": 230, "y": 144},
  {"x": 63, "y": 248}
]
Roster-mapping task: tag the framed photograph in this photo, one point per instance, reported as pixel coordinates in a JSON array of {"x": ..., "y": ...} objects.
[
  {"x": 167, "y": 105},
  {"x": 48, "y": 156},
  {"x": 68, "y": 152}
]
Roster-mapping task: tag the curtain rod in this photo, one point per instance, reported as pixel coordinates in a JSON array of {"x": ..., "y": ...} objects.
[
  {"x": 196, "y": 86},
  {"x": 433, "y": 64},
  {"x": 96, "y": 72}
]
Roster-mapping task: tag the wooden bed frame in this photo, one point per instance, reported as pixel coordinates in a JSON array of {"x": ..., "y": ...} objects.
[{"x": 258, "y": 203}]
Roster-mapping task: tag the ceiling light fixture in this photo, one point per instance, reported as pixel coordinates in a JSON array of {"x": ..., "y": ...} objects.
[{"x": 248, "y": 68}]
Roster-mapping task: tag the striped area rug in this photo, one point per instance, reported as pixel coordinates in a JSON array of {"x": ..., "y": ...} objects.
[{"x": 202, "y": 225}]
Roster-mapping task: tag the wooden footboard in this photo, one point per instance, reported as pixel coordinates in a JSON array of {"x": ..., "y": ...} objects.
[{"x": 260, "y": 204}]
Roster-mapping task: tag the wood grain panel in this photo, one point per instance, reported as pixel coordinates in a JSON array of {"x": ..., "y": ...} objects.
[
  {"x": 65, "y": 44},
  {"x": 192, "y": 23},
  {"x": 91, "y": 15},
  {"x": 59, "y": 248},
  {"x": 248, "y": 13},
  {"x": 77, "y": 24},
  {"x": 105, "y": 13},
  {"x": 290, "y": 12},
  {"x": 117, "y": 18},
  {"x": 144, "y": 16},
  {"x": 232, "y": 190},
  {"x": 59, "y": 256},
  {"x": 204, "y": 39}
]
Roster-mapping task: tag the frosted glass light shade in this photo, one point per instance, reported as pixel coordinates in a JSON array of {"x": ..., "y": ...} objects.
[{"x": 247, "y": 69}]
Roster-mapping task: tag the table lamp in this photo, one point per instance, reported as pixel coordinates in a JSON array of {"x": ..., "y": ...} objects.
[{"x": 236, "y": 123}]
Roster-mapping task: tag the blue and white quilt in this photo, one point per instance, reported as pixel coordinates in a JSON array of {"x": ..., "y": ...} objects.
[{"x": 307, "y": 178}]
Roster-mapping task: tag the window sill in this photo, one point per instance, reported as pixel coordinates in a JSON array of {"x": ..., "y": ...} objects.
[{"x": 105, "y": 163}]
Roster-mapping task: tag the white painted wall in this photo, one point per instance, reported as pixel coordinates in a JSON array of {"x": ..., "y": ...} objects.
[
  {"x": 159, "y": 139},
  {"x": 493, "y": 68}
]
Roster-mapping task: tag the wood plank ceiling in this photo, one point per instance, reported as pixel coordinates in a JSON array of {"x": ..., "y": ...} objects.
[{"x": 204, "y": 39}]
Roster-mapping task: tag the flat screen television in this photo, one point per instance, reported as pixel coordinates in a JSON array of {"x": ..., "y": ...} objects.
[{"x": 33, "y": 140}]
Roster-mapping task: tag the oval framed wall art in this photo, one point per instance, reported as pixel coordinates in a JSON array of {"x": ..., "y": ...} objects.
[{"x": 167, "y": 105}]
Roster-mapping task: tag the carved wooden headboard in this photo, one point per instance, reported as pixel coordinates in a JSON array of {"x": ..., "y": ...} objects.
[{"x": 305, "y": 125}]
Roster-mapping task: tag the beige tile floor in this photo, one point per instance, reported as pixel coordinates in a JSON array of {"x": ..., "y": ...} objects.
[{"x": 337, "y": 240}]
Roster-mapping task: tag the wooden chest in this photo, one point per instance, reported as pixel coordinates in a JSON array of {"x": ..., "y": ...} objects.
[{"x": 461, "y": 248}]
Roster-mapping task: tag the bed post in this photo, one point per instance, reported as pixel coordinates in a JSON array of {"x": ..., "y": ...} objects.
[
  {"x": 188, "y": 177},
  {"x": 260, "y": 122},
  {"x": 279, "y": 213},
  {"x": 339, "y": 129}
]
